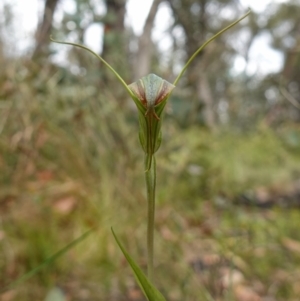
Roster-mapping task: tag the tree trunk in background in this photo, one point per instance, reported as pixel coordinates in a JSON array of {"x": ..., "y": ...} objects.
[
  {"x": 194, "y": 25},
  {"x": 143, "y": 61},
  {"x": 114, "y": 49},
  {"x": 44, "y": 29},
  {"x": 192, "y": 16}
]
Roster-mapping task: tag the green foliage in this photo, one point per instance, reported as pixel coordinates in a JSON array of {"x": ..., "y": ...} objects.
[{"x": 49, "y": 260}]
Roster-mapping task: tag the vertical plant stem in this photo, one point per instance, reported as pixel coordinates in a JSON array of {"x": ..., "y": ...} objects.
[{"x": 150, "y": 184}]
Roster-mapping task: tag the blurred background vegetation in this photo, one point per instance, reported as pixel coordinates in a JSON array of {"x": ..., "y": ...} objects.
[{"x": 228, "y": 214}]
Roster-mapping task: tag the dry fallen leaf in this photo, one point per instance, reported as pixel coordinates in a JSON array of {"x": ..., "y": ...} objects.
[
  {"x": 135, "y": 294},
  {"x": 211, "y": 259},
  {"x": 167, "y": 234},
  {"x": 245, "y": 293},
  {"x": 8, "y": 296},
  {"x": 2, "y": 235},
  {"x": 296, "y": 287},
  {"x": 291, "y": 244},
  {"x": 262, "y": 195},
  {"x": 45, "y": 175},
  {"x": 65, "y": 205}
]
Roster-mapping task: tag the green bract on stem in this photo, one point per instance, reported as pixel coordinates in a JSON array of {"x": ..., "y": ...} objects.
[{"x": 150, "y": 94}]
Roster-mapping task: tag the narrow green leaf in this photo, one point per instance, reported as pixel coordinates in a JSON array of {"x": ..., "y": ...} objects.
[
  {"x": 150, "y": 291},
  {"x": 48, "y": 261}
]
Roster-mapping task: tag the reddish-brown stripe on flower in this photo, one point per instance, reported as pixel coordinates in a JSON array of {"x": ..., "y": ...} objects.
[{"x": 151, "y": 90}]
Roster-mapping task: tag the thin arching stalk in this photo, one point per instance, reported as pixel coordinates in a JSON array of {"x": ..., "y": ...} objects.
[
  {"x": 205, "y": 44},
  {"x": 150, "y": 176}
]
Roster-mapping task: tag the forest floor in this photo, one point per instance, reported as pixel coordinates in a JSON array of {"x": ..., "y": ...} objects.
[{"x": 228, "y": 204}]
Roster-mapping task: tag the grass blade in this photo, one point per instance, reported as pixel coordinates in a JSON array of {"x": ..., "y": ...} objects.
[{"x": 49, "y": 260}]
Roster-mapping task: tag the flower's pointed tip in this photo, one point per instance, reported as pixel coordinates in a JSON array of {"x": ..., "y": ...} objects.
[{"x": 153, "y": 77}]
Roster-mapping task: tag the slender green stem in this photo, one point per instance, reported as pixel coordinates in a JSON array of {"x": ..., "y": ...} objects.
[
  {"x": 101, "y": 59},
  {"x": 150, "y": 176},
  {"x": 205, "y": 44}
]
